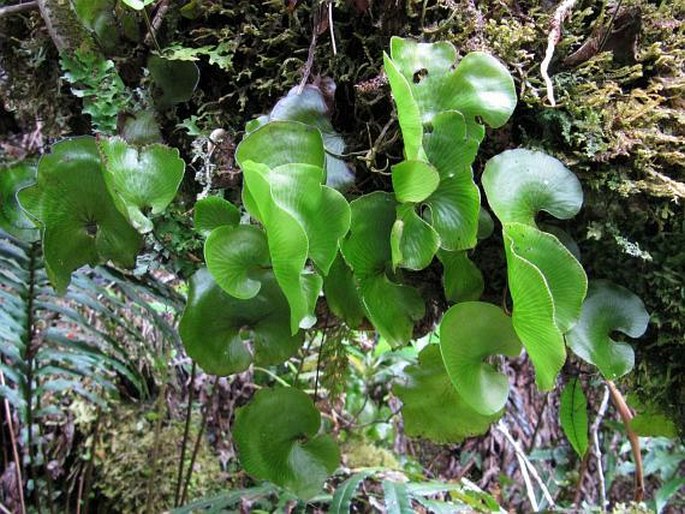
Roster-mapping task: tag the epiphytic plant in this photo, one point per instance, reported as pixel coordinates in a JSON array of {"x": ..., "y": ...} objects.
[{"x": 297, "y": 248}]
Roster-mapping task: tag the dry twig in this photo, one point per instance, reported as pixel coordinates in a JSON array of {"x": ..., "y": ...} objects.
[
  {"x": 626, "y": 416},
  {"x": 562, "y": 11},
  {"x": 18, "y": 8}
]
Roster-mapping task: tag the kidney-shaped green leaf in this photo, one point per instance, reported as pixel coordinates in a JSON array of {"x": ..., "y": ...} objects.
[
  {"x": 391, "y": 307},
  {"x": 141, "y": 179},
  {"x": 277, "y": 435},
  {"x": 81, "y": 224},
  {"x": 608, "y": 308},
  {"x": 342, "y": 295},
  {"x": 13, "y": 219},
  {"x": 413, "y": 241},
  {"x": 471, "y": 332},
  {"x": 177, "y": 79},
  {"x": 520, "y": 183},
  {"x": 479, "y": 87},
  {"x": 237, "y": 257},
  {"x": 309, "y": 106},
  {"x": 282, "y": 142},
  {"x": 212, "y": 212},
  {"x": 432, "y": 408},
  {"x": 414, "y": 181},
  {"x": 224, "y": 334}
]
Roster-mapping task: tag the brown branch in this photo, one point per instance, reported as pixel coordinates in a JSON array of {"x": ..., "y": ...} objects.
[
  {"x": 18, "y": 8},
  {"x": 626, "y": 416}
]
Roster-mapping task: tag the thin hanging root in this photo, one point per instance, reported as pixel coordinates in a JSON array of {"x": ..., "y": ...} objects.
[
  {"x": 330, "y": 27},
  {"x": 562, "y": 11}
]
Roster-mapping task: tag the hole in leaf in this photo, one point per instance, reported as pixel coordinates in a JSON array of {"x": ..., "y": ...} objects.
[
  {"x": 479, "y": 120},
  {"x": 419, "y": 75},
  {"x": 91, "y": 228},
  {"x": 616, "y": 335}
]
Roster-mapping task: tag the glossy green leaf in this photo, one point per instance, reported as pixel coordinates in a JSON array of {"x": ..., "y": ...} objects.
[
  {"x": 413, "y": 241},
  {"x": 448, "y": 145},
  {"x": 547, "y": 286},
  {"x": 13, "y": 219},
  {"x": 573, "y": 416},
  {"x": 479, "y": 87},
  {"x": 278, "y": 440},
  {"x": 309, "y": 107},
  {"x": 81, "y": 224},
  {"x": 431, "y": 406},
  {"x": 470, "y": 333},
  {"x": 282, "y": 142},
  {"x": 367, "y": 246},
  {"x": 176, "y": 79},
  {"x": 342, "y": 295},
  {"x": 408, "y": 113},
  {"x": 563, "y": 274},
  {"x": 288, "y": 245},
  {"x": 224, "y": 334},
  {"x": 414, "y": 181},
  {"x": 453, "y": 212},
  {"x": 141, "y": 180},
  {"x": 608, "y": 308},
  {"x": 213, "y": 212},
  {"x": 392, "y": 308},
  {"x": 303, "y": 219},
  {"x": 237, "y": 257},
  {"x": 520, "y": 183},
  {"x": 461, "y": 278}
]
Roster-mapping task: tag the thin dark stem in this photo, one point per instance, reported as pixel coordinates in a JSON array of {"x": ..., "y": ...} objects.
[
  {"x": 198, "y": 441},
  {"x": 151, "y": 30},
  {"x": 186, "y": 432}
]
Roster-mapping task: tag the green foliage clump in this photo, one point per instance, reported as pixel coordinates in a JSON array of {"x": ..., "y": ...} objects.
[
  {"x": 96, "y": 80},
  {"x": 125, "y": 473}
]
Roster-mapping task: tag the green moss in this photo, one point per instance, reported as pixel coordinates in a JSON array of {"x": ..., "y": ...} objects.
[{"x": 123, "y": 466}]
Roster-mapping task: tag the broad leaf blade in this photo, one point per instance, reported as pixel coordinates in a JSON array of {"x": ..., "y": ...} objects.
[
  {"x": 225, "y": 334},
  {"x": 213, "y": 212},
  {"x": 573, "y": 416},
  {"x": 81, "y": 224},
  {"x": 141, "y": 180},
  {"x": 276, "y": 436},
  {"x": 470, "y": 333},
  {"x": 432, "y": 408},
  {"x": 237, "y": 257},
  {"x": 520, "y": 183},
  {"x": 607, "y": 308}
]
